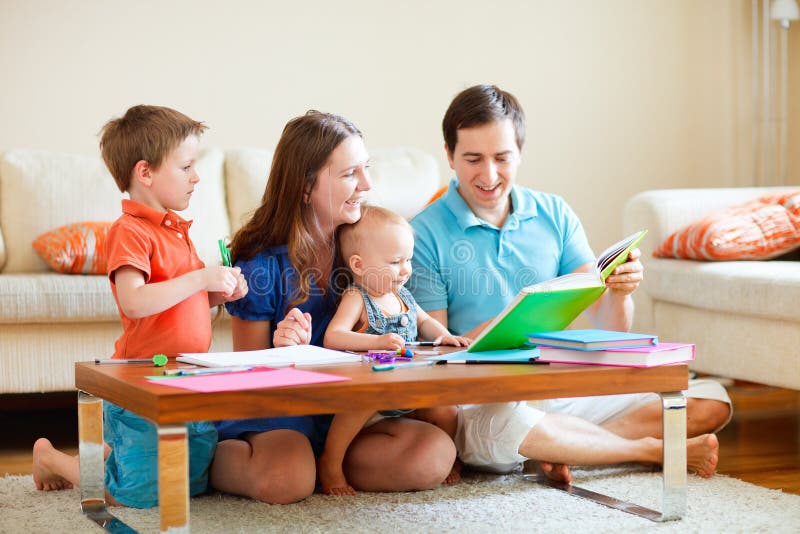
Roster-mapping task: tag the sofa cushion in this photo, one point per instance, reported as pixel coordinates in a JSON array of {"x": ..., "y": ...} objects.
[
  {"x": 61, "y": 188},
  {"x": 57, "y": 298},
  {"x": 769, "y": 289},
  {"x": 760, "y": 229},
  {"x": 2, "y": 250},
  {"x": 403, "y": 179},
  {"x": 246, "y": 171},
  {"x": 65, "y": 188},
  {"x": 77, "y": 248},
  {"x": 207, "y": 208}
]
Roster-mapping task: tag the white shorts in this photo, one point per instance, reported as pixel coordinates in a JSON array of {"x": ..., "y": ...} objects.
[{"x": 489, "y": 435}]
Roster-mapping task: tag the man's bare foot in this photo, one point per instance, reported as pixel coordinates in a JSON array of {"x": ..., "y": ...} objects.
[
  {"x": 43, "y": 475},
  {"x": 702, "y": 454},
  {"x": 454, "y": 477},
  {"x": 557, "y": 472},
  {"x": 332, "y": 480}
]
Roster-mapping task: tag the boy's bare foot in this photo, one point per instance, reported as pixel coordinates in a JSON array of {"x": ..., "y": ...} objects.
[
  {"x": 702, "y": 454},
  {"x": 332, "y": 480},
  {"x": 43, "y": 476},
  {"x": 455, "y": 474}
]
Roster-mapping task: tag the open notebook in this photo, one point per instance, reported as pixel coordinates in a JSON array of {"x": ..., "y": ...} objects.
[{"x": 278, "y": 357}]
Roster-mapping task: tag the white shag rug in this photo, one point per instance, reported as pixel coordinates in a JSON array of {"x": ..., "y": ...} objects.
[{"x": 480, "y": 503}]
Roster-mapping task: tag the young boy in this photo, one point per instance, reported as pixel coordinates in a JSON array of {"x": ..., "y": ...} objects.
[
  {"x": 163, "y": 293},
  {"x": 377, "y": 312}
]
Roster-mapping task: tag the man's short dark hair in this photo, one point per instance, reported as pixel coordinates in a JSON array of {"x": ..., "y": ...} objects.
[{"x": 479, "y": 105}]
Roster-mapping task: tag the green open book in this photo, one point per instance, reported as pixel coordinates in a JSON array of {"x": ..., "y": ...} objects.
[{"x": 553, "y": 304}]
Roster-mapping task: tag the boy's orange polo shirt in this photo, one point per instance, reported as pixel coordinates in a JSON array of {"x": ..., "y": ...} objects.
[{"x": 157, "y": 244}]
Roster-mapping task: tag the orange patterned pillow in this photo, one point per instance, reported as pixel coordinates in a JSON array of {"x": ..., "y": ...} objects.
[
  {"x": 77, "y": 248},
  {"x": 757, "y": 230},
  {"x": 437, "y": 195}
]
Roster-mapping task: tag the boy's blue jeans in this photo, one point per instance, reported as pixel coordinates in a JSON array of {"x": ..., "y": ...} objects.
[{"x": 132, "y": 467}]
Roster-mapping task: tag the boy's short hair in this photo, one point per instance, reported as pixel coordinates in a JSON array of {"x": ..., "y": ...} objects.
[
  {"x": 352, "y": 236},
  {"x": 479, "y": 105},
  {"x": 146, "y": 133}
]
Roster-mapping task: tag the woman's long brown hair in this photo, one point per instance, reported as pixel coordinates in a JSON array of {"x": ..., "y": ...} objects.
[{"x": 284, "y": 216}]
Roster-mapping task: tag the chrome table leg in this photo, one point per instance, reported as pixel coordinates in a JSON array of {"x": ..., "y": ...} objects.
[
  {"x": 92, "y": 464},
  {"x": 673, "y": 503}
]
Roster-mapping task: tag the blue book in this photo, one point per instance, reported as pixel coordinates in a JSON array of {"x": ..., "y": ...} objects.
[{"x": 592, "y": 339}]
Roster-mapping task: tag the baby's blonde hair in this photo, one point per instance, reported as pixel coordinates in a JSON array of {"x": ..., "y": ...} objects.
[{"x": 353, "y": 236}]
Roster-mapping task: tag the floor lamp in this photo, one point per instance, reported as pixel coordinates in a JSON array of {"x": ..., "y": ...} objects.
[{"x": 777, "y": 14}]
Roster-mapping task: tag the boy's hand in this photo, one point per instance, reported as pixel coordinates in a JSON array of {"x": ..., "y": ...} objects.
[
  {"x": 240, "y": 291},
  {"x": 224, "y": 280},
  {"x": 456, "y": 341},
  {"x": 295, "y": 329},
  {"x": 390, "y": 341}
]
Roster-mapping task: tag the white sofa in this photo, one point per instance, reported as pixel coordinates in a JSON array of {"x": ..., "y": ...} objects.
[
  {"x": 743, "y": 315},
  {"x": 50, "y": 320}
]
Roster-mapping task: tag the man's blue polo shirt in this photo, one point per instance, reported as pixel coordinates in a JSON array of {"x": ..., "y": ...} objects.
[{"x": 474, "y": 269}]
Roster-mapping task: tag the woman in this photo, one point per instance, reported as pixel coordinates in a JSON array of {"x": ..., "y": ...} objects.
[{"x": 287, "y": 253}]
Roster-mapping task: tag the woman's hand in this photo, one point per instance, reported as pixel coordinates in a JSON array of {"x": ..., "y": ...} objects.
[{"x": 294, "y": 329}]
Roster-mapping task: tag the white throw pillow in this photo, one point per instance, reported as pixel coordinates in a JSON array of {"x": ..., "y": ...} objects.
[
  {"x": 246, "y": 172},
  {"x": 207, "y": 207},
  {"x": 403, "y": 179}
]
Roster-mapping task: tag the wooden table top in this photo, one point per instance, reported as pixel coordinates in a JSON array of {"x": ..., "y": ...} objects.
[{"x": 415, "y": 387}]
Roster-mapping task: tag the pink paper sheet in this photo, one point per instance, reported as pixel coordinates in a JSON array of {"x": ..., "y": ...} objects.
[{"x": 249, "y": 380}]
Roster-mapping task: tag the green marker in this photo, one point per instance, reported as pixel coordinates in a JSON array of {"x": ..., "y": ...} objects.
[
  {"x": 160, "y": 360},
  {"x": 225, "y": 253}
]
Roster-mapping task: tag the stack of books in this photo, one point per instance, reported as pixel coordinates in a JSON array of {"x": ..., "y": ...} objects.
[{"x": 606, "y": 347}]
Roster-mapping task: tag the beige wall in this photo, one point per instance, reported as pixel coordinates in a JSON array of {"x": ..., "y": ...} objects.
[
  {"x": 793, "y": 137},
  {"x": 621, "y": 95}
]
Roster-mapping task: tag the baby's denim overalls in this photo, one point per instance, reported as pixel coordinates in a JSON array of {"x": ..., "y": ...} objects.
[{"x": 404, "y": 324}]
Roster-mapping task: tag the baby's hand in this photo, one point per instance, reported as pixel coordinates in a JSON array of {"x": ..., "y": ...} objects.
[
  {"x": 456, "y": 341},
  {"x": 390, "y": 341},
  {"x": 224, "y": 280},
  {"x": 295, "y": 329}
]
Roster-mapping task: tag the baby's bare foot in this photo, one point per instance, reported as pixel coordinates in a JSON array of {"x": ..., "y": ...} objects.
[
  {"x": 332, "y": 479},
  {"x": 454, "y": 477},
  {"x": 347, "y": 489},
  {"x": 43, "y": 475},
  {"x": 702, "y": 454}
]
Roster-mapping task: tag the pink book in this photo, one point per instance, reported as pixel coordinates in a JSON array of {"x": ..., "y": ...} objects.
[
  {"x": 660, "y": 354},
  {"x": 256, "y": 379}
]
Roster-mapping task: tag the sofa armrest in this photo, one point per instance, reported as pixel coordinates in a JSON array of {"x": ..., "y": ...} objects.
[{"x": 663, "y": 211}]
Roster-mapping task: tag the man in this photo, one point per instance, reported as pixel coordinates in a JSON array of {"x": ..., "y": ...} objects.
[{"x": 484, "y": 240}]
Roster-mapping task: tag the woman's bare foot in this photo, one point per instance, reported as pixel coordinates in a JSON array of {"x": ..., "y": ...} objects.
[
  {"x": 702, "y": 454},
  {"x": 332, "y": 480},
  {"x": 455, "y": 474},
  {"x": 44, "y": 457}
]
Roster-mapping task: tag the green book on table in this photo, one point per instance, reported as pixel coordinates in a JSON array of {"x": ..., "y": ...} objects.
[
  {"x": 553, "y": 304},
  {"x": 592, "y": 339}
]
